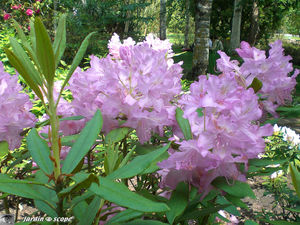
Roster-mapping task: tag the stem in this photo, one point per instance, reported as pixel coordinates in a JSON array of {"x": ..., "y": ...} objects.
[
  {"x": 17, "y": 210},
  {"x": 54, "y": 124},
  {"x": 6, "y": 205}
]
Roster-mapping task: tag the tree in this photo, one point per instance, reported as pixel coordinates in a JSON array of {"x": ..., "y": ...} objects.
[
  {"x": 163, "y": 20},
  {"x": 187, "y": 23},
  {"x": 254, "y": 28},
  {"x": 236, "y": 25},
  {"x": 201, "y": 47}
]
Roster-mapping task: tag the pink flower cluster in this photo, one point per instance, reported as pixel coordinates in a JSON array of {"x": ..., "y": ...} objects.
[
  {"x": 273, "y": 71},
  {"x": 133, "y": 87},
  {"x": 221, "y": 113},
  {"x": 14, "y": 108}
]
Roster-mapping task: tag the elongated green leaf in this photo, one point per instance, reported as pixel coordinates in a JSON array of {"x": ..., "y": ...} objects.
[
  {"x": 39, "y": 151},
  {"x": 250, "y": 222},
  {"x": 77, "y": 58},
  {"x": 90, "y": 212},
  {"x": 184, "y": 124},
  {"x": 25, "y": 43},
  {"x": 125, "y": 215},
  {"x": 83, "y": 180},
  {"x": 32, "y": 35},
  {"x": 72, "y": 118},
  {"x": 25, "y": 60},
  {"x": 230, "y": 209},
  {"x": 237, "y": 188},
  {"x": 44, "y": 51},
  {"x": 17, "y": 64},
  {"x": 21, "y": 188},
  {"x": 265, "y": 162},
  {"x": 3, "y": 148},
  {"x": 82, "y": 198},
  {"x": 42, "y": 206},
  {"x": 236, "y": 201},
  {"x": 178, "y": 201},
  {"x": 83, "y": 144},
  {"x": 20, "y": 32},
  {"x": 138, "y": 164},
  {"x": 59, "y": 44},
  {"x": 79, "y": 209},
  {"x": 119, "y": 194},
  {"x": 116, "y": 135},
  {"x": 203, "y": 212},
  {"x": 295, "y": 174}
]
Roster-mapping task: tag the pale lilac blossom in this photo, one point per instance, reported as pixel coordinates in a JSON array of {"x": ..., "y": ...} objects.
[
  {"x": 15, "y": 108},
  {"x": 225, "y": 134}
]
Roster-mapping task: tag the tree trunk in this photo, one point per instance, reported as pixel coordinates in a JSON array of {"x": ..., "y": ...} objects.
[
  {"x": 126, "y": 28},
  {"x": 236, "y": 25},
  {"x": 163, "y": 20},
  {"x": 254, "y": 24},
  {"x": 187, "y": 23},
  {"x": 201, "y": 44}
]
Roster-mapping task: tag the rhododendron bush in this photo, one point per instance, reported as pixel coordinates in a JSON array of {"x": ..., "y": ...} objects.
[{"x": 129, "y": 121}]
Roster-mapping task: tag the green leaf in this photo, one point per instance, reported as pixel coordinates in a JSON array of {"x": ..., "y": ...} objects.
[
  {"x": 42, "y": 206},
  {"x": 82, "y": 198},
  {"x": 178, "y": 201},
  {"x": 72, "y": 118},
  {"x": 265, "y": 162},
  {"x": 116, "y": 135},
  {"x": 295, "y": 174},
  {"x": 77, "y": 58},
  {"x": 119, "y": 194},
  {"x": 237, "y": 188},
  {"x": 23, "y": 188},
  {"x": 17, "y": 64},
  {"x": 44, "y": 51},
  {"x": 82, "y": 181},
  {"x": 25, "y": 60},
  {"x": 250, "y": 222},
  {"x": 20, "y": 31},
  {"x": 3, "y": 148},
  {"x": 230, "y": 209},
  {"x": 125, "y": 215},
  {"x": 203, "y": 212},
  {"x": 144, "y": 222},
  {"x": 79, "y": 209},
  {"x": 138, "y": 164},
  {"x": 236, "y": 201},
  {"x": 200, "y": 112},
  {"x": 90, "y": 212},
  {"x": 183, "y": 124},
  {"x": 256, "y": 85},
  {"x": 32, "y": 35},
  {"x": 86, "y": 139},
  {"x": 59, "y": 44},
  {"x": 39, "y": 151},
  {"x": 25, "y": 42}
]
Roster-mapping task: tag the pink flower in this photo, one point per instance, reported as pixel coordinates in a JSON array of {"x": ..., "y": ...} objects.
[
  {"x": 28, "y": 28},
  {"x": 224, "y": 134},
  {"x": 16, "y": 7},
  {"x": 37, "y": 0},
  {"x": 135, "y": 88},
  {"x": 273, "y": 71},
  {"x": 29, "y": 12},
  {"x": 6, "y": 16},
  {"x": 14, "y": 110}
]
